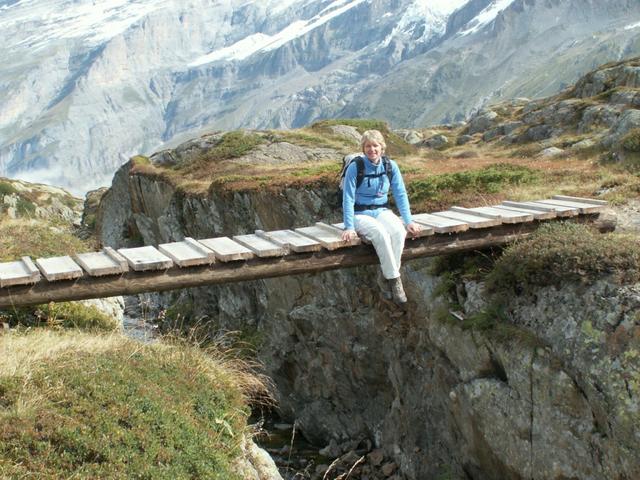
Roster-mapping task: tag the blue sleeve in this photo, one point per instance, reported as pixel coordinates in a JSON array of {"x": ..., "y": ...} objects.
[
  {"x": 400, "y": 194},
  {"x": 349, "y": 196}
]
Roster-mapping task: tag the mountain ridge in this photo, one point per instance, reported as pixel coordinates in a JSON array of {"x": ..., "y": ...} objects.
[{"x": 76, "y": 110}]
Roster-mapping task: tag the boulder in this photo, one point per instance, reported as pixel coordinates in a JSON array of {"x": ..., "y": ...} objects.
[
  {"x": 492, "y": 134},
  {"x": 625, "y": 97},
  {"x": 598, "y": 116},
  {"x": 482, "y": 122},
  {"x": 412, "y": 137},
  {"x": 347, "y": 131},
  {"x": 629, "y": 119},
  {"x": 436, "y": 141},
  {"x": 583, "y": 144},
  {"x": 605, "y": 79},
  {"x": 536, "y": 133},
  {"x": 462, "y": 139},
  {"x": 551, "y": 152}
]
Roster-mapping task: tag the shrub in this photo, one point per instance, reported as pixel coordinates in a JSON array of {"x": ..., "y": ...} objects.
[
  {"x": 487, "y": 180},
  {"x": 234, "y": 144},
  {"x": 6, "y": 188},
  {"x": 90, "y": 406},
  {"x": 561, "y": 252},
  {"x": 25, "y": 208}
]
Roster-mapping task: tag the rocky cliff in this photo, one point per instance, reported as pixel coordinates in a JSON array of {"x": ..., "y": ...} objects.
[{"x": 555, "y": 397}]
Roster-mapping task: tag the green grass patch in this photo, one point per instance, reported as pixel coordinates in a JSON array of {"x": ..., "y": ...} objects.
[
  {"x": 6, "y": 188},
  {"x": 564, "y": 252},
  {"x": 140, "y": 160},
  {"x": 25, "y": 208},
  {"x": 66, "y": 315},
  {"x": 120, "y": 410},
  {"x": 19, "y": 238},
  {"x": 491, "y": 179}
]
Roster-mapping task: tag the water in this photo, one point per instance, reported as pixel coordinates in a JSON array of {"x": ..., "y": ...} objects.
[{"x": 295, "y": 458}]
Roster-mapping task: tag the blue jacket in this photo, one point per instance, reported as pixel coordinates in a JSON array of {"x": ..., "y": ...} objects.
[{"x": 373, "y": 191}]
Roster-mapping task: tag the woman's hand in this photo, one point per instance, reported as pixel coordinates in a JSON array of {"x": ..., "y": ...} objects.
[
  {"x": 414, "y": 229},
  {"x": 348, "y": 235}
]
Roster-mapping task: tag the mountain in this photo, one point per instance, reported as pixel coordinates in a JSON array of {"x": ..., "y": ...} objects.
[{"x": 85, "y": 85}]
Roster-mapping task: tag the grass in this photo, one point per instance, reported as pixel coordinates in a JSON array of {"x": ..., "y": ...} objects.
[
  {"x": 564, "y": 252},
  {"x": 103, "y": 406},
  {"x": 37, "y": 239},
  {"x": 487, "y": 180},
  {"x": 6, "y": 188},
  {"x": 66, "y": 315}
]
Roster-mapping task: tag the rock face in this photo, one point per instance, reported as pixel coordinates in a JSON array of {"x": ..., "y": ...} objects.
[
  {"x": 598, "y": 111},
  {"x": 555, "y": 398}
]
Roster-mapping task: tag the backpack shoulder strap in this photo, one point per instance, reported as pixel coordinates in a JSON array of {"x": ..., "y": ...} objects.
[
  {"x": 360, "y": 170},
  {"x": 387, "y": 167}
]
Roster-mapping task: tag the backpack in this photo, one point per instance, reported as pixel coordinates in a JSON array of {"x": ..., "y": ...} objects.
[{"x": 360, "y": 176}]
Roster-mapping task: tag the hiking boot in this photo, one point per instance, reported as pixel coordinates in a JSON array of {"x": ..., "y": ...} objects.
[
  {"x": 397, "y": 291},
  {"x": 385, "y": 287}
]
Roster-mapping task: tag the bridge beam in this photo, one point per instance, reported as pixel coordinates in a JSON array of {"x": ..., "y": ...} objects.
[{"x": 174, "y": 278}]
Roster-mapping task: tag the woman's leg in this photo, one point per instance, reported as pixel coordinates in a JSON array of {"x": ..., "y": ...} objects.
[
  {"x": 397, "y": 233},
  {"x": 374, "y": 231}
]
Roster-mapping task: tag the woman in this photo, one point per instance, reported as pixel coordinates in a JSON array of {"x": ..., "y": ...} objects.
[{"x": 366, "y": 211}]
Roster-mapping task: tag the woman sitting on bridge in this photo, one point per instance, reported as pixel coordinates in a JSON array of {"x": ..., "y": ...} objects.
[{"x": 366, "y": 210}]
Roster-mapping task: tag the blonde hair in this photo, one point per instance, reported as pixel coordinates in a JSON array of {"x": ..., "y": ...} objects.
[{"x": 373, "y": 136}]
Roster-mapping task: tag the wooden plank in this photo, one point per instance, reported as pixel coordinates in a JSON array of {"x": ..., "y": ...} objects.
[
  {"x": 559, "y": 210},
  {"x": 59, "y": 268},
  {"x": 145, "y": 258},
  {"x": 21, "y": 272},
  {"x": 226, "y": 250},
  {"x": 291, "y": 240},
  {"x": 474, "y": 221},
  {"x": 328, "y": 236},
  {"x": 119, "y": 259},
  {"x": 581, "y": 200},
  {"x": 424, "y": 232},
  {"x": 581, "y": 206},
  {"x": 537, "y": 214},
  {"x": 99, "y": 263},
  {"x": 187, "y": 253},
  {"x": 440, "y": 224},
  {"x": 260, "y": 246},
  {"x": 506, "y": 216}
]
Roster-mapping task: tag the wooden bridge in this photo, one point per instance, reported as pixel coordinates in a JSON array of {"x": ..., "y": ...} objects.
[{"x": 191, "y": 263}]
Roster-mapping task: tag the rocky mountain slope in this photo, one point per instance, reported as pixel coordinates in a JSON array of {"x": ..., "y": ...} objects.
[
  {"x": 544, "y": 387},
  {"x": 87, "y": 86}
]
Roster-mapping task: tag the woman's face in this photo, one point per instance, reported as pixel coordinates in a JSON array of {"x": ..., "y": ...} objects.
[{"x": 373, "y": 150}]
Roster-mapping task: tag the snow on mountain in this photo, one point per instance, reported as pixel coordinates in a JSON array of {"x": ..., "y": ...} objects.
[
  {"x": 94, "y": 22},
  {"x": 259, "y": 42},
  {"x": 84, "y": 84},
  {"x": 486, "y": 16}
]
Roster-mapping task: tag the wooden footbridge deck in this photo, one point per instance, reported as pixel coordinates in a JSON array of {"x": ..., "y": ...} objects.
[{"x": 316, "y": 248}]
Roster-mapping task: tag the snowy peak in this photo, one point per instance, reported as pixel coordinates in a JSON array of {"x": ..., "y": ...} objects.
[
  {"x": 260, "y": 42},
  {"x": 486, "y": 16},
  {"x": 94, "y": 21}
]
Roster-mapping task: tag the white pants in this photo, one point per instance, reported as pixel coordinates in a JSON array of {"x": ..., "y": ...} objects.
[{"x": 387, "y": 234}]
